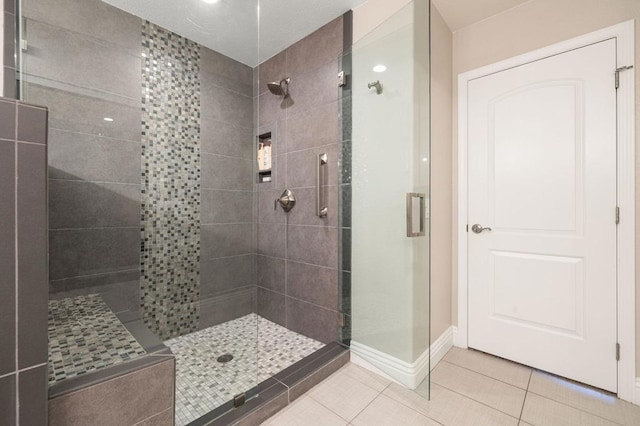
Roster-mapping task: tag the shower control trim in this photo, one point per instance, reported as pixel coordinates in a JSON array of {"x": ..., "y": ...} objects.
[{"x": 287, "y": 200}]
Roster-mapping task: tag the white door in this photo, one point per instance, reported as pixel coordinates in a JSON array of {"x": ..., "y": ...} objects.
[{"x": 542, "y": 176}]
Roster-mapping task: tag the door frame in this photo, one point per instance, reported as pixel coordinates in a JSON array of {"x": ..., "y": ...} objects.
[{"x": 626, "y": 318}]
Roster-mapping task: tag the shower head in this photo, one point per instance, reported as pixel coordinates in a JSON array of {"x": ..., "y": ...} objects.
[{"x": 281, "y": 88}]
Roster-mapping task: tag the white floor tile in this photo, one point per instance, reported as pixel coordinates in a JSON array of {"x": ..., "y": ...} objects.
[
  {"x": 496, "y": 394},
  {"x": 306, "y": 412},
  {"x": 343, "y": 395},
  {"x": 488, "y": 365},
  {"x": 384, "y": 411},
  {"x": 540, "y": 411}
]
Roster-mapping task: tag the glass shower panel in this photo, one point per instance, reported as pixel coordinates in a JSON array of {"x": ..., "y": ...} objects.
[
  {"x": 152, "y": 196},
  {"x": 390, "y": 198}
]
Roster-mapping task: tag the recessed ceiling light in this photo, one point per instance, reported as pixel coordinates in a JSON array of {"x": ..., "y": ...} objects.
[
  {"x": 108, "y": 119},
  {"x": 210, "y": 1},
  {"x": 379, "y": 68}
]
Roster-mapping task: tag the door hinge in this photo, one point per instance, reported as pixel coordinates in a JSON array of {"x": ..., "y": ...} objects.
[
  {"x": 617, "y": 215},
  {"x": 239, "y": 400},
  {"x": 342, "y": 79},
  {"x": 341, "y": 319},
  {"x": 617, "y": 351},
  {"x": 618, "y": 71}
]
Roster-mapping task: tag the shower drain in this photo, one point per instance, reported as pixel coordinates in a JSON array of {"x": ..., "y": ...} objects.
[{"x": 225, "y": 358}]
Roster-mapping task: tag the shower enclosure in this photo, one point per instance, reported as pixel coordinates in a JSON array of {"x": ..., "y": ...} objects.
[{"x": 225, "y": 197}]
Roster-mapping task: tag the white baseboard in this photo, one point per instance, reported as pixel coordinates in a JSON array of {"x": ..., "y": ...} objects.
[
  {"x": 636, "y": 393},
  {"x": 441, "y": 346},
  {"x": 407, "y": 374}
]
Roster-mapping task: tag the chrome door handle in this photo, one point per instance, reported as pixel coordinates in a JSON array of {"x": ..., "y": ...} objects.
[
  {"x": 322, "y": 164},
  {"x": 478, "y": 228}
]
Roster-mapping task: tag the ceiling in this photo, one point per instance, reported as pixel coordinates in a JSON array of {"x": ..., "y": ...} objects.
[
  {"x": 230, "y": 27},
  {"x": 462, "y": 13}
]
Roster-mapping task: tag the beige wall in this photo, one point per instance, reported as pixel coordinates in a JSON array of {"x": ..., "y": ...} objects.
[
  {"x": 531, "y": 26},
  {"x": 441, "y": 190}
]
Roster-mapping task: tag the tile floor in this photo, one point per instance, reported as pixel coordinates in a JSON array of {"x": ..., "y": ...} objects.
[
  {"x": 467, "y": 388},
  {"x": 260, "y": 349}
]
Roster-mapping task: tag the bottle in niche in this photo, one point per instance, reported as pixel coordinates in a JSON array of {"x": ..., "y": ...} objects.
[
  {"x": 267, "y": 157},
  {"x": 261, "y": 157}
]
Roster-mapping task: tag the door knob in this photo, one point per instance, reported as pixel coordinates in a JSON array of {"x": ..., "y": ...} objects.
[{"x": 477, "y": 228}]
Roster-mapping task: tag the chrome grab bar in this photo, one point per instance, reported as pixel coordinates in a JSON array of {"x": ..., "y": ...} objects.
[
  {"x": 422, "y": 231},
  {"x": 321, "y": 209}
]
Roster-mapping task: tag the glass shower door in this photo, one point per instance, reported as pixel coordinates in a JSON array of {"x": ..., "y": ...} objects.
[{"x": 390, "y": 198}]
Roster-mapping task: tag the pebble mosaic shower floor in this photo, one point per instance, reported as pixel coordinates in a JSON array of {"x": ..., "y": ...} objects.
[{"x": 260, "y": 349}]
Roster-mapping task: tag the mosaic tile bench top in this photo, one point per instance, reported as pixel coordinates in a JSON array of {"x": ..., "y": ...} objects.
[
  {"x": 85, "y": 336},
  {"x": 260, "y": 349}
]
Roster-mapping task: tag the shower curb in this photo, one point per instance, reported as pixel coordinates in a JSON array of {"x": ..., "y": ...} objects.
[{"x": 277, "y": 392}]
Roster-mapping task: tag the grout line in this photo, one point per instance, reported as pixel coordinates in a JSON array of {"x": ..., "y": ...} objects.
[
  {"x": 16, "y": 265},
  {"x": 31, "y": 143},
  {"x": 315, "y": 148},
  {"x": 490, "y": 377},
  {"x": 524, "y": 401},
  {"x": 297, "y": 261},
  {"x": 475, "y": 400},
  {"x": 94, "y": 228},
  {"x": 95, "y": 275},
  {"x": 575, "y": 408},
  {"x": 94, "y": 181},
  {"x": 97, "y": 136},
  {"x": 297, "y": 299}
]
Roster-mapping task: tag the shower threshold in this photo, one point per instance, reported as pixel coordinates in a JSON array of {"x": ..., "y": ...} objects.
[{"x": 259, "y": 349}]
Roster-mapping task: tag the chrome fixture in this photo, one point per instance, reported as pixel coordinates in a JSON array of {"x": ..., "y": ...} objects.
[
  {"x": 281, "y": 88},
  {"x": 321, "y": 208},
  {"x": 377, "y": 85},
  {"x": 423, "y": 205},
  {"x": 477, "y": 228},
  {"x": 287, "y": 200}
]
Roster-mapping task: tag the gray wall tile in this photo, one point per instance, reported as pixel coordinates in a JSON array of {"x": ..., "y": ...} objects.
[
  {"x": 227, "y": 240},
  {"x": 316, "y": 127},
  {"x": 65, "y": 56},
  {"x": 266, "y": 411},
  {"x": 8, "y": 400},
  {"x": 93, "y": 18},
  {"x": 32, "y": 254},
  {"x": 166, "y": 418},
  {"x": 226, "y": 173},
  {"x": 304, "y": 212},
  {"x": 312, "y": 321},
  {"x": 229, "y": 82},
  {"x": 272, "y": 239},
  {"x": 218, "y": 137},
  {"x": 83, "y": 252},
  {"x": 77, "y": 204},
  {"x": 267, "y": 212},
  {"x": 271, "y": 109},
  {"x": 272, "y": 273},
  {"x": 301, "y": 167},
  {"x": 227, "y": 307},
  {"x": 316, "y": 49},
  {"x": 312, "y": 88},
  {"x": 10, "y": 6},
  {"x": 32, "y": 124},
  {"x": 218, "y": 275},
  {"x": 76, "y": 156},
  {"x": 9, "y": 79},
  {"x": 222, "y": 104},
  {"x": 7, "y": 120},
  {"x": 33, "y": 396},
  {"x": 314, "y": 284},
  {"x": 7, "y": 257},
  {"x": 119, "y": 291},
  {"x": 313, "y": 245},
  {"x": 238, "y": 75},
  {"x": 9, "y": 36},
  {"x": 126, "y": 400},
  {"x": 84, "y": 112},
  {"x": 272, "y": 306},
  {"x": 221, "y": 206}
]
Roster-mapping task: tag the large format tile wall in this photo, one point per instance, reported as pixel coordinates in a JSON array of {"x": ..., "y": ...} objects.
[
  {"x": 23, "y": 264},
  {"x": 84, "y": 61},
  {"x": 298, "y": 251}
]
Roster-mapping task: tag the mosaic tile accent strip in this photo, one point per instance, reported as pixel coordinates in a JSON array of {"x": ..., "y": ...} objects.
[
  {"x": 85, "y": 336},
  {"x": 260, "y": 349},
  {"x": 170, "y": 284}
]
